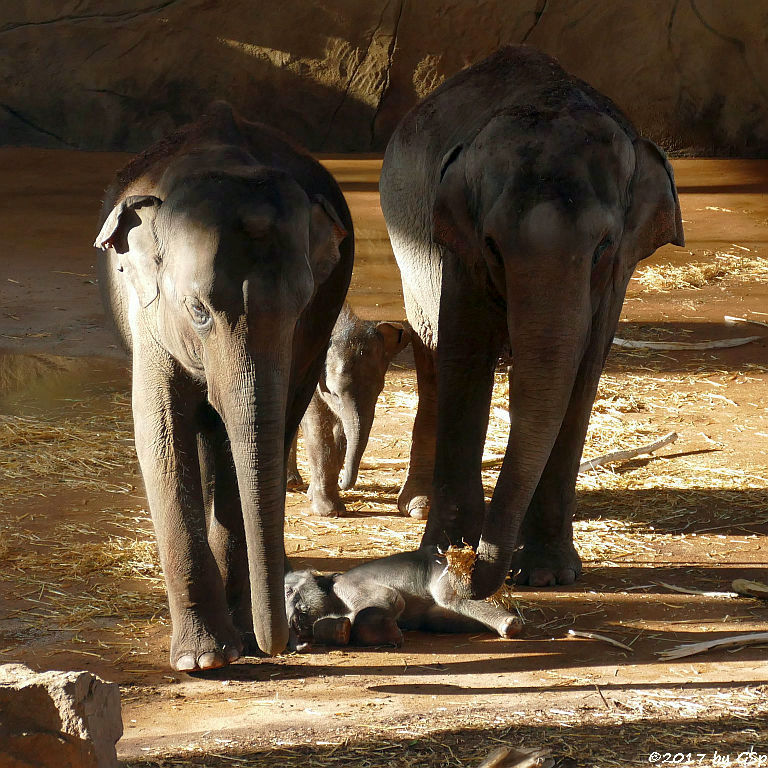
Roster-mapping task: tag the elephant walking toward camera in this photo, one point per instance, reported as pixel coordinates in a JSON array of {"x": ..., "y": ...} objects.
[
  {"x": 228, "y": 256},
  {"x": 338, "y": 422},
  {"x": 518, "y": 200}
]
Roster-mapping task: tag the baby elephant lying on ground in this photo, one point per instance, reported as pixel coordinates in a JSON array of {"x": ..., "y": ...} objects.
[
  {"x": 371, "y": 603},
  {"x": 338, "y": 421}
]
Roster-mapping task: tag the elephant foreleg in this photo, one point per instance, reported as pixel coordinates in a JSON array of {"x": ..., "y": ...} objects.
[
  {"x": 226, "y": 533},
  {"x": 469, "y": 342},
  {"x": 324, "y": 443},
  {"x": 165, "y": 417}
]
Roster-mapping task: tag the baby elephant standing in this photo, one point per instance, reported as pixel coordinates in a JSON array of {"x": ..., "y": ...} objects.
[
  {"x": 371, "y": 603},
  {"x": 338, "y": 420}
]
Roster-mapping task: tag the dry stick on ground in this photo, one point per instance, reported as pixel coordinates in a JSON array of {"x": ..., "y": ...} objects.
[
  {"x": 750, "y": 588},
  {"x": 607, "y": 458},
  {"x": 691, "y": 649},
  {"x": 730, "y": 320},
  {"x": 630, "y": 453},
  {"x": 671, "y": 345},
  {"x": 510, "y": 757},
  {"x": 686, "y": 591},
  {"x": 604, "y": 638}
]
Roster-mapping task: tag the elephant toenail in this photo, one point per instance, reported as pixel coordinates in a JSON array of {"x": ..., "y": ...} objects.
[
  {"x": 185, "y": 663},
  {"x": 419, "y": 513},
  {"x": 512, "y": 628},
  {"x": 211, "y": 660},
  {"x": 542, "y": 579},
  {"x": 231, "y": 653}
]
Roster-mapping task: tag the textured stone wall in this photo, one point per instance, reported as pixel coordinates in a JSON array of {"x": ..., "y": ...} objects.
[{"x": 339, "y": 74}]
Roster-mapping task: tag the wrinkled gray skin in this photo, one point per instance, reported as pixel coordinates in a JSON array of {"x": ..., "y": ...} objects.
[
  {"x": 338, "y": 422},
  {"x": 228, "y": 253},
  {"x": 518, "y": 201},
  {"x": 405, "y": 591}
]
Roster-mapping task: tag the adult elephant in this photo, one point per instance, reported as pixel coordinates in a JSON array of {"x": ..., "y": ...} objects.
[
  {"x": 518, "y": 201},
  {"x": 228, "y": 256}
]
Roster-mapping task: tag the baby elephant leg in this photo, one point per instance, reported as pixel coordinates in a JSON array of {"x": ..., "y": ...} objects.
[
  {"x": 332, "y": 630},
  {"x": 376, "y": 609},
  {"x": 376, "y": 626},
  {"x": 294, "y": 478},
  {"x": 325, "y": 459},
  {"x": 501, "y": 621}
]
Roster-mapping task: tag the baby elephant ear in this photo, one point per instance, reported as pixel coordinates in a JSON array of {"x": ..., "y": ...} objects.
[
  {"x": 326, "y": 232},
  {"x": 396, "y": 337},
  {"x": 129, "y": 231}
]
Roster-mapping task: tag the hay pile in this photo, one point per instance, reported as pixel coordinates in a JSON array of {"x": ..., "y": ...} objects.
[{"x": 719, "y": 267}]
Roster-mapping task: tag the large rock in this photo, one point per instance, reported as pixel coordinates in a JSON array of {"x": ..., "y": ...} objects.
[
  {"x": 57, "y": 719},
  {"x": 339, "y": 74}
]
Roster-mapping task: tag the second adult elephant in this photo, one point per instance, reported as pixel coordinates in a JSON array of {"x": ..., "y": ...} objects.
[{"x": 518, "y": 201}]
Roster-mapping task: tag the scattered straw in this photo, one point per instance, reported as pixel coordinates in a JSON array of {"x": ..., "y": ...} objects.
[{"x": 719, "y": 267}]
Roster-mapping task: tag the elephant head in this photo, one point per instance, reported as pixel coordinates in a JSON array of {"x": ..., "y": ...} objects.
[
  {"x": 358, "y": 358},
  {"x": 551, "y": 212},
  {"x": 308, "y": 599},
  {"x": 222, "y": 263}
]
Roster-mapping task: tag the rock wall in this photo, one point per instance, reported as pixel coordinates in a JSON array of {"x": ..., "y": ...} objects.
[{"x": 339, "y": 74}]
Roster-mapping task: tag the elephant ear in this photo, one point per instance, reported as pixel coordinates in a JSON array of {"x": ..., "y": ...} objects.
[
  {"x": 129, "y": 231},
  {"x": 326, "y": 233},
  {"x": 396, "y": 337},
  {"x": 653, "y": 217},
  {"x": 452, "y": 225}
]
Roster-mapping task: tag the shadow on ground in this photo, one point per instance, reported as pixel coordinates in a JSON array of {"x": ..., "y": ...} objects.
[{"x": 610, "y": 744}]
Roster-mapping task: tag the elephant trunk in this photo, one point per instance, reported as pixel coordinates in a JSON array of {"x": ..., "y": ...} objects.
[
  {"x": 253, "y": 410},
  {"x": 547, "y": 350},
  {"x": 357, "y": 428}
]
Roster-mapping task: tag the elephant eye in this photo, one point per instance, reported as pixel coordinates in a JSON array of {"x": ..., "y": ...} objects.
[
  {"x": 602, "y": 247},
  {"x": 199, "y": 314}
]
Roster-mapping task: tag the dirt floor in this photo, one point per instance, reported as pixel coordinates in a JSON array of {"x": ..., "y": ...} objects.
[{"x": 80, "y": 586}]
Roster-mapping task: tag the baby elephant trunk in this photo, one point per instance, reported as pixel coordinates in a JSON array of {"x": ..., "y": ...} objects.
[{"x": 357, "y": 428}]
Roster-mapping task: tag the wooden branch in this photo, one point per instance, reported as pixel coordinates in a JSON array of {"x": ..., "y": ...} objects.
[
  {"x": 732, "y": 641},
  {"x": 751, "y": 588},
  {"x": 630, "y": 453},
  {"x": 686, "y": 591},
  {"x": 730, "y": 320},
  {"x": 671, "y": 345},
  {"x": 511, "y": 757},
  {"x": 604, "y": 638}
]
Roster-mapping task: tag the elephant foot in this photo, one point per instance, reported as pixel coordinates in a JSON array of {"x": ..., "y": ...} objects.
[
  {"x": 195, "y": 649},
  {"x": 512, "y": 627},
  {"x": 328, "y": 508},
  {"x": 294, "y": 481},
  {"x": 546, "y": 565},
  {"x": 413, "y": 500},
  {"x": 326, "y": 505}
]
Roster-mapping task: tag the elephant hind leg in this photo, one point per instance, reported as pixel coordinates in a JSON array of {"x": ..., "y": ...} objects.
[
  {"x": 294, "y": 480},
  {"x": 415, "y": 495},
  {"x": 376, "y": 626}
]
